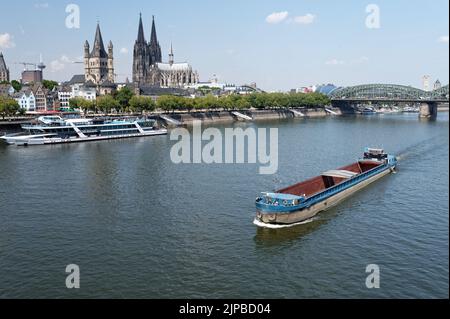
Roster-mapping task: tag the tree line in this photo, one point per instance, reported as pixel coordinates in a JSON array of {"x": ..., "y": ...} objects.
[{"x": 124, "y": 100}]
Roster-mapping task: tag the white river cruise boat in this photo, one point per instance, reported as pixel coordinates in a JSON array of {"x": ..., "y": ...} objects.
[{"x": 56, "y": 130}]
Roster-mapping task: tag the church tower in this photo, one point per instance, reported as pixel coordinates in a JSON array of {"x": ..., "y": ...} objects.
[
  {"x": 4, "y": 71},
  {"x": 111, "y": 74},
  {"x": 140, "y": 56},
  {"x": 154, "y": 47},
  {"x": 99, "y": 65}
]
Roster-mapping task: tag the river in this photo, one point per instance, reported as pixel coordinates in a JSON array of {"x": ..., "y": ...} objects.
[{"x": 139, "y": 226}]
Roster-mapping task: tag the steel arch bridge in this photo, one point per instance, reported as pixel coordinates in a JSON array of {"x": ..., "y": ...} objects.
[
  {"x": 442, "y": 93},
  {"x": 387, "y": 92}
]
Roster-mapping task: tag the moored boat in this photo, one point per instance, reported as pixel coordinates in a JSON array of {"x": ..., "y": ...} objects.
[
  {"x": 368, "y": 111},
  {"x": 305, "y": 200},
  {"x": 56, "y": 130}
]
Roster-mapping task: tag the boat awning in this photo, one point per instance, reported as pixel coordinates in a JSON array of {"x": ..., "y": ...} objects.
[{"x": 340, "y": 174}]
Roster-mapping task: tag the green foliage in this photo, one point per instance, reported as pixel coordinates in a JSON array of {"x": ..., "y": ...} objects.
[
  {"x": 16, "y": 85},
  {"x": 259, "y": 101},
  {"x": 125, "y": 100},
  {"x": 123, "y": 96},
  {"x": 106, "y": 103},
  {"x": 83, "y": 104},
  {"x": 49, "y": 85},
  {"x": 141, "y": 104},
  {"x": 172, "y": 103},
  {"x": 8, "y": 107}
]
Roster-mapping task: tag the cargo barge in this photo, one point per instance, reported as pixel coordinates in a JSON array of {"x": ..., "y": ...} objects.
[{"x": 303, "y": 201}]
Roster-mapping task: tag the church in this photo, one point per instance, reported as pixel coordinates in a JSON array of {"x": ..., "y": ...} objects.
[
  {"x": 150, "y": 70},
  {"x": 99, "y": 65}
]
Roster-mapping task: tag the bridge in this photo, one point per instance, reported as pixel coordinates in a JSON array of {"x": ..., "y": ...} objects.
[{"x": 391, "y": 93}]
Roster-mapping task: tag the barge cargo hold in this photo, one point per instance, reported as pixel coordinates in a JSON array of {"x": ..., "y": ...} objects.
[{"x": 305, "y": 200}]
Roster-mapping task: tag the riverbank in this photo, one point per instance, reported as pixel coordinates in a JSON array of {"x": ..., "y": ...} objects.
[
  {"x": 187, "y": 118},
  {"x": 255, "y": 115},
  {"x": 221, "y": 116}
]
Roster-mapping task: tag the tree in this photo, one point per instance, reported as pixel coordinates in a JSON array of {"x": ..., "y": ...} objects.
[
  {"x": 8, "y": 106},
  {"x": 123, "y": 96},
  {"x": 107, "y": 103},
  {"x": 240, "y": 102},
  {"x": 209, "y": 102},
  {"x": 141, "y": 104},
  {"x": 49, "y": 85},
  {"x": 168, "y": 103},
  {"x": 16, "y": 85},
  {"x": 82, "y": 104}
]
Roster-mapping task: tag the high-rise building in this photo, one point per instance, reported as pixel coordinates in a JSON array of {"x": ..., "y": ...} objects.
[
  {"x": 4, "y": 71},
  {"x": 98, "y": 63},
  {"x": 32, "y": 76}
]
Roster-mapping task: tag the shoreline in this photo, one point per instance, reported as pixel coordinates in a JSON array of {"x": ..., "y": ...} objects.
[
  {"x": 188, "y": 118},
  {"x": 256, "y": 115}
]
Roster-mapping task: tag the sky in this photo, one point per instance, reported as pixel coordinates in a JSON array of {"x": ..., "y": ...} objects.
[{"x": 279, "y": 44}]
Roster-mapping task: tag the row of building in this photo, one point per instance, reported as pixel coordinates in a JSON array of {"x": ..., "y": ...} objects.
[{"x": 33, "y": 98}]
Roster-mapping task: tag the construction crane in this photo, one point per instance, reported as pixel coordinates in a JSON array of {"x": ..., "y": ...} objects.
[{"x": 26, "y": 64}]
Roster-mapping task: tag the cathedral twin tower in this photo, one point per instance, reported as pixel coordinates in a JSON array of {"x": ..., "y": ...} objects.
[
  {"x": 148, "y": 68},
  {"x": 146, "y": 55}
]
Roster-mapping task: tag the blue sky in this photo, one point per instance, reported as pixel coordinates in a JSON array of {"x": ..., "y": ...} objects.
[{"x": 306, "y": 42}]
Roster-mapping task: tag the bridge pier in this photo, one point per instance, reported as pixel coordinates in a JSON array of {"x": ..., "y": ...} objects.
[{"x": 428, "y": 110}]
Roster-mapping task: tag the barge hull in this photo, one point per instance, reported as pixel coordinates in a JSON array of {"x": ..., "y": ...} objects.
[{"x": 308, "y": 213}]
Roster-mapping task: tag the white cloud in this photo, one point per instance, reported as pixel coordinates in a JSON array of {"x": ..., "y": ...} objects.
[
  {"x": 277, "y": 17},
  {"x": 65, "y": 59},
  {"x": 6, "y": 41},
  {"x": 61, "y": 63},
  {"x": 124, "y": 51},
  {"x": 334, "y": 62},
  {"x": 306, "y": 19},
  {"x": 231, "y": 51},
  {"x": 56, "y": 66},
  {"x": 443, "y": 39}
]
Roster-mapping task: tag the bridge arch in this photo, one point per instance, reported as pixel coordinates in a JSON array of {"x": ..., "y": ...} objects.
[
  {"x": 441, "y": 93},
  {"x": 380, "y": 91}
]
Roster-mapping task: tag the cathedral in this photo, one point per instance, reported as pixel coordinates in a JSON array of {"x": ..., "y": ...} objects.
[
  {"x": 150, "y": 70},
  {"x": 99, "y": 64}
]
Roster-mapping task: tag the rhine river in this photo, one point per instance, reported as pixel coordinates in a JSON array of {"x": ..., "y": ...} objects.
[{"x": 139, "y": 226}]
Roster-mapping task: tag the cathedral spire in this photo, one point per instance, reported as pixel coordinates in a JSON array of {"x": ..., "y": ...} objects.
[
  {"x": 154, "y": 37},
  {"x": 171, "y": 55},
  {"x": 98, "y": 47},
  {"x": 141, "y": 37},
  {"x": 154, "y": 47}
]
